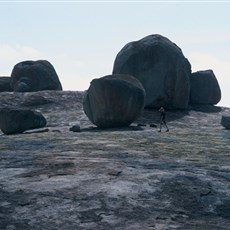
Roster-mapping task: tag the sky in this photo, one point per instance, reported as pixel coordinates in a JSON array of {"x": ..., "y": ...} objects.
[{"x": 82, "y": 38}]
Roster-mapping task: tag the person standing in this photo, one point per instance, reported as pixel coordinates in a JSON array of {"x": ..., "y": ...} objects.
[{"x": 163, "y": 119}]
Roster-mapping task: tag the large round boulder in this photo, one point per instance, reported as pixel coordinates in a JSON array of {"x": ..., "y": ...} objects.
[
  {"x": 161, "y": 67},
  {"x": 5, "y": 84},
  {"x": 14, "y": 121},
  {"x": 114, "y": 101},
  {"x": 30, "y": 76},
  {"x": 205, "y": 89}
]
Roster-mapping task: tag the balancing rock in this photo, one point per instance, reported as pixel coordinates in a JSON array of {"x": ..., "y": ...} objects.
[{"x": 114, "y": 100}]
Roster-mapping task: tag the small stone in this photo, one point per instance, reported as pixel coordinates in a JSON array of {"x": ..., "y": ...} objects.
[{"x": 75, "y": 128}]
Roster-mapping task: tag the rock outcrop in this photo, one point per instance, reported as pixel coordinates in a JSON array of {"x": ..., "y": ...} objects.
[
  {"x": 118, "y": 178},
  {"x": 114, "y": 100},
  {"x": 29, "y": 76},
  {"x": 161, "y": 67},
  {"x": 5, "y": 84},
  {"x": 205, "y": 89},
  {"x": 225, "y": 121},
  {"x": 14, "y": 121}
]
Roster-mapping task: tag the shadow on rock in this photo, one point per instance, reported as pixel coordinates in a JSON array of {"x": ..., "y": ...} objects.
[
  {"x": 206, "y": 108},
  {"x": 125, "y": 128},
  {"x": 150, "y": 116}
]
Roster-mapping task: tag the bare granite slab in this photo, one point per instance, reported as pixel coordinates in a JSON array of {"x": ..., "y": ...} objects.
[{"x": 123, "y": 178}]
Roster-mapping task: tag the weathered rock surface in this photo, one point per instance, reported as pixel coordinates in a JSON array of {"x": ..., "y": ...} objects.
[
  {"x": 161, "y": 67},
  {"x": 14, "y": 121},
  {"x": 30, "y": 76},
  {"x": 35, "y": 100},
  {"x": 205, "y": 88},
  {"x": 225, "y": 121},
  {"x": 120, "y": 178},
  {"x": 5, "y": 84},
  {"x": 114, "y": 100}
]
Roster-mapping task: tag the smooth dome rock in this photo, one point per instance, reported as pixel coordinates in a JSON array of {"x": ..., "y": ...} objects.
[
  {"x": 204, "y": 88},
  {"x": 30, "y": 76},
  {"x": 14, "y": 121},
  {"x": 114, "y": 101},
  {"x": 161, "y": 67}
]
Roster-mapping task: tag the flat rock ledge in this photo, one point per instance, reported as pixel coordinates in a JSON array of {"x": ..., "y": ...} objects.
[{"x": 121, "y": 178}]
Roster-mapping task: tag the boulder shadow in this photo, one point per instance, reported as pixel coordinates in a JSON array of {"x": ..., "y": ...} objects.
[
  {"x": 150, "y": 115},
  {"x": 114, "y": 129},
  {"x": 206, "y": 108}
]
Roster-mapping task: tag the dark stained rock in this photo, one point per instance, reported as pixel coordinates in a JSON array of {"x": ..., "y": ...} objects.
[
  {"x": 114, "y": 100},
  {"x": 30, "y": 76},
  {"x": 161, "y": 67},
  {"x": 14, "y": 121},
  {"x": 204, "y": 88},
  {"x": 225, "y": 121},
  {"x": 5, "y": 84}
]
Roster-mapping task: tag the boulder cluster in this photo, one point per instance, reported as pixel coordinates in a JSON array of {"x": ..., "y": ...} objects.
[
  {"x": 27, "y": 76},
  {"x": 163, "y": 78},
  {"x": 165, "y": 74},
  {"x": 148, "y": 73},
  {"x": 31, "y": 76}
]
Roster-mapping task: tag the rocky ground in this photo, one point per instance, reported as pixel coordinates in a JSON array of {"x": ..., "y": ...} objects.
[{"x": 126, "y": 178}]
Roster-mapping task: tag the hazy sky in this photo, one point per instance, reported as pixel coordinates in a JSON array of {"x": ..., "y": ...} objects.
[{"x": 82, "y": 39}]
